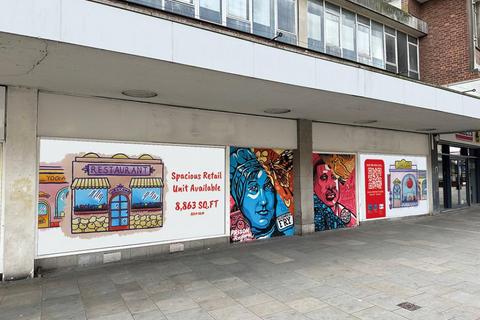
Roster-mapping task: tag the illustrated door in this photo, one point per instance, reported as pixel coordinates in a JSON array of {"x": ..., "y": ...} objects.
[{"x": 119, "y": 212}]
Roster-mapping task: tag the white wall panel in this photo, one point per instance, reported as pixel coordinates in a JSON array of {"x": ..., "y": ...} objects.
[
  {"x": 339, "y": 138},
  {"x": 91, "y": 118}
]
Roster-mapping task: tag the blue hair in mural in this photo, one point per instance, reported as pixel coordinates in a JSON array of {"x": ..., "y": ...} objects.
[{"x": 255, "y": 196}]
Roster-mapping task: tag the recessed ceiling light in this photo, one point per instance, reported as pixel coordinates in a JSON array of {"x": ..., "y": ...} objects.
[
  {"x": 365, "y": 121},
  {"x": 277, "y": 110},
  {"x": 139, "y": 94},
  {"x": 427, "y": 129}
]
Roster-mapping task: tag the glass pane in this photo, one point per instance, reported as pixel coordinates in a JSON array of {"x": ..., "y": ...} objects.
[
  {"x": 115, "y": 222},
  {"x": 262, "y": 12},
  {"x": 286, "y": 15},
  {"x": 391, "y": 49},
  {"x": 213, "y": 5},
  {"x": 115, "y": 213},
  {"x": 377, "y": 45},
  {"x": 332, "y": 30},
  {"x": 402, "y": 53},
  {"x": 124, "y": 221},
  {"x": 124, "y": 205},
  {"x": 348, "y": 35},
  {"x": 315, "y": 25},
  {"x": 238, "y": 8},
  {"x": 472, "y": 176},
  {"x": 115, "y": 206},
  {"x": 363, "y": 38},
  {"x": 413, "y": 58},
  {"x": 124, "y": 213},
  {"x": 441, "y": 198}
]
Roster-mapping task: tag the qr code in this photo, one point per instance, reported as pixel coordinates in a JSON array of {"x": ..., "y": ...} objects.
[{"x": 375, "y": 178}]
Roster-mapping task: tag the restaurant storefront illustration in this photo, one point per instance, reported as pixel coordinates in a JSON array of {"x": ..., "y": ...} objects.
[
  {"x": 52, "y": 194},
  {"x": 116, "y": 193}
]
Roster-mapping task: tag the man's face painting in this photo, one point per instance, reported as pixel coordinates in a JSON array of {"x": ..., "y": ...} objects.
[{"x": 326, "y": 185}]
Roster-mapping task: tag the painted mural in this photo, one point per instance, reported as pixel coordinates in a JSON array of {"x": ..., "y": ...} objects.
[
  {"x": 52, "y": 196},
  {"x": 261, "y": 189},
  {"x": 334, "y": 191},
  {"x": 407, "y": 185},
  {"x": 116, "y": 193},
  {"x": 106, "y": 193},
  {"x": 395, "y": 185}
]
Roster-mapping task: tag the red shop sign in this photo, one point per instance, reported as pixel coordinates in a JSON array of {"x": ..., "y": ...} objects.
[{"x": 375, "y": 188}]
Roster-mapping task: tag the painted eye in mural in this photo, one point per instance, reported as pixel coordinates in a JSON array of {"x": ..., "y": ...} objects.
[
  {"x": 252, "y": 188},
  {"x": 324, "y": 177},
  {"x": 268, "y": 186}
]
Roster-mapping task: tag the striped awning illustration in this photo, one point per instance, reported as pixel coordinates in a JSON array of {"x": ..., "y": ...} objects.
[
  {"x": 146, "y": 183},
  {"x": 90, "y": 183}
]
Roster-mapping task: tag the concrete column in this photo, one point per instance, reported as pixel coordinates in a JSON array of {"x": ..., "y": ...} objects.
[
  {"x": 303, "y": 23},
  {"x": 303, "y": 182},
  {"x": 20, "y": 183}
]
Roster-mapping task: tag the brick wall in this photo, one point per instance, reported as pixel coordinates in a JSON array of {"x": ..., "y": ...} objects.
[{"x": 445, "y": 51}]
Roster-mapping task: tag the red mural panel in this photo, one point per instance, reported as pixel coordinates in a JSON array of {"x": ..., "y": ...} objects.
[{"x": 375, "y": 188}]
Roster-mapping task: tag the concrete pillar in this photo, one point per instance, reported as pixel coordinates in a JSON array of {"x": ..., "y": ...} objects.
[
  {"x": 20, "y": 183},
  {"x": 303, "y": 181},
  {"x": 303, "y": 23}
]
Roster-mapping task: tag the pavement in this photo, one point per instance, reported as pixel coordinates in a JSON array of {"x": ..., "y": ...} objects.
[{"x": 431, "y": 263}]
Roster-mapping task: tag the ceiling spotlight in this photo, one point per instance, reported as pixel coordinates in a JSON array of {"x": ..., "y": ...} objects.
[
  {"x": 277, "y": 110},
  {"x": 365, "y": 121},
  {"x": 144, "y": 94}
]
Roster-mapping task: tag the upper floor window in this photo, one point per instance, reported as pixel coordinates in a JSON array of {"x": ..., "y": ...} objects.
[
  {"x": 340, "y": 32},
  {"x": 476, "y": 23},
  {"x": 266, "y": 18}
]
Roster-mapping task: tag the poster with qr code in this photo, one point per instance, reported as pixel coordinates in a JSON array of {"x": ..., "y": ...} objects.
[
  {"x": 375, "y": 188},
  {"x": 394, "y": 186}
]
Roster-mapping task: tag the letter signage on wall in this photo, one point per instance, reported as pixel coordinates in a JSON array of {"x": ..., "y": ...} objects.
[{"x": 95, "y": 195}]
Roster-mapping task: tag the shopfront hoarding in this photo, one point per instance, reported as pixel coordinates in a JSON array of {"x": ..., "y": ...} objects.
[
  {"x": 394, "y": 186},
  {"x": 103, "y": 195}
]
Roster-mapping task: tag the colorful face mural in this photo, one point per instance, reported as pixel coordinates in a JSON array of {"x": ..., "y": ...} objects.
[
  {"x": 334, "y": 191},
  {"x": 261, "y": 188}
]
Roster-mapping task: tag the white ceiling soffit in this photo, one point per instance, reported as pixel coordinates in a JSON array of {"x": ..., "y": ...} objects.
[{"x": 79, "y": 70}]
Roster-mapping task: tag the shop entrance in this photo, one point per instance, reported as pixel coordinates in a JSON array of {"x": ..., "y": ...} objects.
[
  {"x": 119, "y": 212},
  {"x": 459, "y": 182},
  {"x": 458, "y": 176}
]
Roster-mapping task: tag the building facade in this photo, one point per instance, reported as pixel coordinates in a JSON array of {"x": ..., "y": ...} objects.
[
  {"x": 449, "y": 56},
  {"x": 134, "y": 128}
]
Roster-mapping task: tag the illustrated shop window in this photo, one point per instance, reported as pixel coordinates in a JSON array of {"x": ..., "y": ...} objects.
[
  {"x": 88, "y": 200},
  {"x": 211, "y": 10},
  {"x": 60, "y": 203},
  {"x": 263, "y": 18},
  {"x": 332, "y": 29},
  {"x": 183, "y": 7},
  {"x": 391, "y": 49},
  {"x": 146, "y": 198},
  {"x": 42, "y": 208},
  {"x": 363, "y": 39},
  {"x": 238, "y": 15},
  {"x": 348, "y": 35},
  {"x": 315, "y": 25},
  {"x": 286, "y": 20},
  {"x": 377, "y": 45}
]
